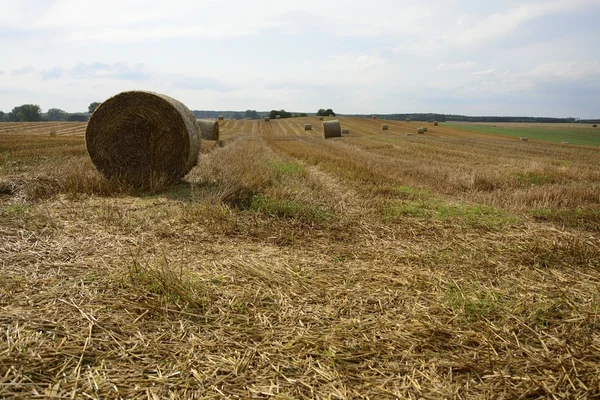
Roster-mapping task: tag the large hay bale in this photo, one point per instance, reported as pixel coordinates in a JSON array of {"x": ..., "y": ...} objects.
[
  {"x": 524, "y": 139},
  {"x": 420, "y": 131},
  {"x": 142, "y": 138},
  {"x": 267, "y": 119},
  {"x": 384, "y": 127},
  {"x": 332, "y": 129},
  {"x": 209, "y": 130},
  {"x": 221, "y": 118},
  {"x": 307, "y": 127},
  {"x": 435, "y": 123},
  {"x": 345, "y": 131}
]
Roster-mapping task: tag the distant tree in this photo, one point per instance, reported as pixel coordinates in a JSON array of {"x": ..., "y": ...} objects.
[
  {"x": 92, "y": 107},
  {"x": 325, "y": 113},
  {"x": 252, "y": 114},
  {"x": 236, "y": 115},
  {"x": 77, "y": 118},
  {"x": 284, "y": 114},
  {"x": 2, "y": 116},
  {"x": 56, "y": 114},
  {"x": 26, "y": 113},
  {"x": 303, "y": 115}
]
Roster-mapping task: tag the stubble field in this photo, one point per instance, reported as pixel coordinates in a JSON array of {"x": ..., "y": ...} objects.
[{"x": 453, "y": 264}]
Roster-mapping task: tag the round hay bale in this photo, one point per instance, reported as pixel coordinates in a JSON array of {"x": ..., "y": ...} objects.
[
  {"x": 345, "y": 131},
  {"x": 420, "y": 131},
  {"x": 209, "y": 130},
  {"x": 435, "y": 123},
  {"x": 332, "y": 129},
  {"x": 332, "y": 115},
  {"x": 524, "y": 139},
  {"x": 407, "y": 120},
  {"x": 144, "y": 139},
  {"x": 374, "y": 117},
  {"x": 221, "y": 118},
  {"x": 320, "y": 118},
  {"x": 410, "y": 134},
  {"x": 278, "y": 117},
  {"x": 384, "y": 127},
  {"x": 307, "y": 127},
  {"x": 594, "y": 126},
  {"x": 424, "y": 129},
  {"x": 267, "y": 119}
]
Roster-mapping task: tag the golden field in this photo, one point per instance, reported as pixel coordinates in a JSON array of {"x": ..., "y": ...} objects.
[{"x": 453, "y": 264}]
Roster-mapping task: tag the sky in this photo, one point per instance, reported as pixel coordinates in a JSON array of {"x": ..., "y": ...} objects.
[{"x": 471, "y": 57}]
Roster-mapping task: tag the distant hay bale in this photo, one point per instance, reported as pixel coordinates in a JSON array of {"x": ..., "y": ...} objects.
[
  {"x": 144, "y": 139},
  {"x": 332, "y": 129},
  {"x": 345, "y": 131},
  {"x": 407, "y": 120},
  {"x": 374, "y": 117},
  {"x": 384, "y": 127},
  {"x": 267, "y": 119},
  {"x": 221, "y": 118},
  {"x": 332, "y": 115},
  {"x": 209, "y": 130},
  {"x": 320, "y": 118},
  {"x": 307, "y": 127},
  {"x": 524, "y": 139},
  {"x": 424, "y": 129},
  {"x": 278, "y": 117},
  {"x": 420, "y": 131},
  {"x": 594, "y": 126},
  {"x": 410, "y": 134},
  {"x": 435, "y": 123}
]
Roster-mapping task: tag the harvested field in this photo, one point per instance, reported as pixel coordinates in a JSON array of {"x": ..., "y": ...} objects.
[{"x": 289, "y": 266}]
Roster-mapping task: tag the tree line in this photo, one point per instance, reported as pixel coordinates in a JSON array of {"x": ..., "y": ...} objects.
[{"x": 33, "y": 113}]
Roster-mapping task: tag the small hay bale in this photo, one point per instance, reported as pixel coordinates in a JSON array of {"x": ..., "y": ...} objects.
[
  {"x": 345, "y": 131},
  {"x": 221, "y": 118},
  {"x": 307, "y": 127},
  {"x": 267, "y": 119},
  {"x": 524, "y": 139},
  {"x": 424, "y": 129},
  {"x": 374, "y": 117},
  {"x": 278, "y": 117},
  {"x": 144, "y": 139},
  {"x": 407, "y": 120},
  {"x": 435, "y": 123},
  {"x": 332, "y": 115},
  {"x": 332, "y": 129},
  {"x": 420, "y": 131},
  {"x": 209, "y": 130},
  {"x": 410, "y": 134},
  {"x": 384, "y": 127},
  {"x": 594, "y": 126}
]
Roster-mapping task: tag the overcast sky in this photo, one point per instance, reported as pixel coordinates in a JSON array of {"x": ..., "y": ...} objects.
[{"x": 474, "y": 57}]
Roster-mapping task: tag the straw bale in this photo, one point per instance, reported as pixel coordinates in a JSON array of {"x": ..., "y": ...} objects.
[
  {"x": 209, "y": 130},
  {"x": 278, "y": 117},
  {"x": 307, "y": 127},
  {"x": 524, "y": 139},
  {"x": 332, "y": 129},
  {"x": 221, "y": 118},
  {"x": 410, "y": 134},
  {"x": 320, "y": 118},
  {"x": 267, "y": 119},
  {"x": 143, "y": 138},
  {"x": 384, "y": 127},
  {"x": 435, "y": 123},
  {"x": 420, "y": 131}
]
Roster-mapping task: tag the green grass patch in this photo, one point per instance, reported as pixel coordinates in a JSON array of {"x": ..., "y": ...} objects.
[
  {"x": 573, "y": 135},
  {"x": 284, "y": 208},
  {"x": 469, "y": 215},
  {"x": 284, "y": 168},
  {"x": 583, "y": 218},
  {"x": 474, "y": 305},
  {"x": 534, "y": 179}
]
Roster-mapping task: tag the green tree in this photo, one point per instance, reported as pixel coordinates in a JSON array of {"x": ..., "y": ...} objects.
[
  {"x": 2, "y": 116},
  {"x": 92, "y": 107},
  {"x": 56, "y": 114},
  {"x": 284, "y": 114},
  {"x": 26, "y": 113},
  {"x": 325, "y": 113},
  {"x": 77, "y": 118},
  {"x": 252, "y": 114}
]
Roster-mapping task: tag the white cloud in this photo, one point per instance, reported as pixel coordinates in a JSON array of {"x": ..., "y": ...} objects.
[{"x": 459, "y": 66}]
